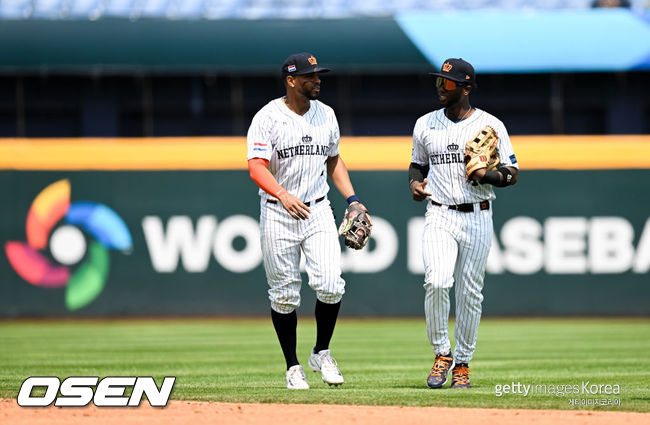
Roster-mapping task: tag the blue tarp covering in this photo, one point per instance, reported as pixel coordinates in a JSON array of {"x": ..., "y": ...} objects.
[{"x": 534, "y": 41}]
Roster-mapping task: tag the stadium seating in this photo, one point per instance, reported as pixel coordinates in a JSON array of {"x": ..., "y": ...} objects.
[{"x": 260, "y": 9}]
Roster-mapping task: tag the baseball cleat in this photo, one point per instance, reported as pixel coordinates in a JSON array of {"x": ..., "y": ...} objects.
[
  {"x": 296, "y": 379},
  {"x": 460, "y": 376},
  {"x": 441, "y": 367},
  {"x": 324, "y": 363}
]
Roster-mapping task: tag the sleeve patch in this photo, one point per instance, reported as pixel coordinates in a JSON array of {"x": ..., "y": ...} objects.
[{"x": 513, "y": 159}]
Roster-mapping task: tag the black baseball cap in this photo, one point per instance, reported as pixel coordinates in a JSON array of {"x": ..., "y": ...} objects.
[
  {"x": 458, "y": 70},
  {"x": 301, "y": 63}
]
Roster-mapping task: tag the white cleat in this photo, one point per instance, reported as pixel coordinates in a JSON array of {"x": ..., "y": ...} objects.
[
  {"x": 324, "y": 363},
  {"x": 296, "y": 379}
]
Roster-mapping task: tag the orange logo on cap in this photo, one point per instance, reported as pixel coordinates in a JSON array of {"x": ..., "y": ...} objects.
[
  {"x": 312, "y": 60},
  {"x": 447, "y": 67},
  {"x": 467, "y": 77}
]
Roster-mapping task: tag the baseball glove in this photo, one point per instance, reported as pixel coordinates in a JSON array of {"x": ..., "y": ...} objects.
[
  {"x": 494, "y": 161},
  {"x": 356, "y": 226},
  {"x": 481, "y": 151}
]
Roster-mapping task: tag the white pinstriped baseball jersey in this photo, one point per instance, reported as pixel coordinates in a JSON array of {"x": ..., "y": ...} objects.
[
  {"x": 297, "y": 146},
  {"x": 455, "y": 244},
  {"x": 440, "y": 143}
]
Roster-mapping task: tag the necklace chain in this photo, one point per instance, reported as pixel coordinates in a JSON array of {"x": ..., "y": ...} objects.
[{"x": 461, "y": 118}]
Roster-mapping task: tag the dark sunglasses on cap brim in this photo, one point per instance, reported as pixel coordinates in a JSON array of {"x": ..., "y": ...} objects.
[{"x": 448, "y": 84}]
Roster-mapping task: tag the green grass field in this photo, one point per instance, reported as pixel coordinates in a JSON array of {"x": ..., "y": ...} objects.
[{"x": 384, "y": 361}]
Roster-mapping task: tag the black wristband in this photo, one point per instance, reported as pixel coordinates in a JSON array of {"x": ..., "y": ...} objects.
[
  {"x": 501, "y": 177},
  {"x": 492, "y": 177},
  {"x": 417, "y": 172},
  {"x": 507, "y": 176}
]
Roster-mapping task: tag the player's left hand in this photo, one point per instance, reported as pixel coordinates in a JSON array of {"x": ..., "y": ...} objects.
[
  {"x": 356, "y": 226},
  {"x": 481, "y": 153},
  {"x": 478, "y": 174}
]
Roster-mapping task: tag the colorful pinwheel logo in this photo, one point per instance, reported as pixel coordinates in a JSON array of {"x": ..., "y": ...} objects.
[{"x": 68, "y": 244}]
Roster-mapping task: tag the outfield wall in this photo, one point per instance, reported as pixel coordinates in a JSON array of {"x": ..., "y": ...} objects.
[{"x": 573, "y": 237}]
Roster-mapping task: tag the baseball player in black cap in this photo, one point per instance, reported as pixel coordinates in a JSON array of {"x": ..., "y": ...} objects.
[
  {"x": 456, "y": 70},
  {"x": 456, "y": 179},
  {"x": 301, "y": 64},
  {"x": 293, "y": 147}
]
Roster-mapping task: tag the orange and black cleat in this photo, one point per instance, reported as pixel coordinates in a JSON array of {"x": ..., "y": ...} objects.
[
  {"x": 460, "y": 376},
  {"x": 440, "y": 370}
]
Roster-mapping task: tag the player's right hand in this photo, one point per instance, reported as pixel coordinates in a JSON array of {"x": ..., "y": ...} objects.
[
  {"x": 294, "y": 206},
  {"x": 417, "y": 189}
]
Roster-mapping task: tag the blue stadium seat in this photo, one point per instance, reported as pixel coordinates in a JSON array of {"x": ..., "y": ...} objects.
[
  {"x": 186, "y": 9},
  {"x": 47, "y": 9},
  {"x": 15, "y": 9},
  {"x": 119, "y": 8},
  {"x": 85, "y": 9},
  {"x": 217, "y": 9},
  {"x": 153, "y": 8}
]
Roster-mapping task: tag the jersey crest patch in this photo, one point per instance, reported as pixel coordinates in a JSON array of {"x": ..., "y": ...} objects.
[{"x": 452, "y": 147}]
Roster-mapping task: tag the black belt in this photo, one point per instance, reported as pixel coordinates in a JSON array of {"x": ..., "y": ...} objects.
[
  {"x": 484, "y": 205},
  {"x": 273, "y": 201}
]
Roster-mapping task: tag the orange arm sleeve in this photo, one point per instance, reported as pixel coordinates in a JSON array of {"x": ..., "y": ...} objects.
[{"x": 259, "y": 172}]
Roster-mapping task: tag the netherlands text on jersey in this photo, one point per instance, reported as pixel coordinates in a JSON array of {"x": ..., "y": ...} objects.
[{"x": 303, "y": 150}]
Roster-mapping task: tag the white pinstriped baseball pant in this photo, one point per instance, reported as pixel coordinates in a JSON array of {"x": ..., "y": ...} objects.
[
  {"x": 284, "y": 239},
  {"x": 455, "y": 250}
]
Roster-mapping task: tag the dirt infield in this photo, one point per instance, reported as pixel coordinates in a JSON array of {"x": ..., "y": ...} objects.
[{"x": 196, "y": 413}]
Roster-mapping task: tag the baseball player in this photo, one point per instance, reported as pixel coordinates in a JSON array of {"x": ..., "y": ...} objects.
[
  {"x": 293, "y": 146},
  {"x": 458, "y": 221}
]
